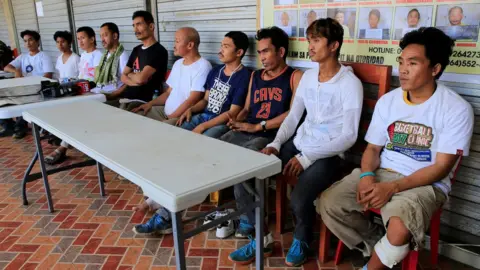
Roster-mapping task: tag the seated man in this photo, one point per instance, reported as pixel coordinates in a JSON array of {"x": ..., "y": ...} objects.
[
  {"x": 145, "y": 70},
  {"x": 91, "y": 56},
  {"x": 417, "y": 133},
  {"x": 268, "y": 101},
  {"x": 186, "y": 80},
  {"x": 107, "y": 75},
  {"x": 33, "y": 63},
  {"x": 227, "y": 89},
  {"x": 332, "y": 96},
  {"x": 68, "y": 61}
]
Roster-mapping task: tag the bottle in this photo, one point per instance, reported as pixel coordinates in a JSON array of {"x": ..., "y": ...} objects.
[{"x": 155, "y": 94}]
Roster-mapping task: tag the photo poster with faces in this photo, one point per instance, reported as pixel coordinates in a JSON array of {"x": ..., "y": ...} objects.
[{"x": 373, "y": 29}]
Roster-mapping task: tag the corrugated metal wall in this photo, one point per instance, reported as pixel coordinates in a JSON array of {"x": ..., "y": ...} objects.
[
  {"x": 25, "y": 18},
  {"x": 461, "y": 218},
  {"x": 55, "y": 19},
  {"x": 212, "y": 19},
  {"x": 94, "y": 13},
  {"x": 3, "y": 22}
]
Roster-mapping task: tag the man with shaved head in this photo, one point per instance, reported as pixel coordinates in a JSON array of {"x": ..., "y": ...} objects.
[
  {"x": 186, "y": 87},
  {"x": 185, "y": 83}
]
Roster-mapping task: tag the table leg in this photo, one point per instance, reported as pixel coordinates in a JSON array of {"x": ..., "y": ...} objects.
[
  {"x": 25, "y": 177},
  {"x": 38, "y": 143},
  {"x": 179, "y": 240},
  {"x": 259, "y": 221},
  {"x": 101, "y": 178}
]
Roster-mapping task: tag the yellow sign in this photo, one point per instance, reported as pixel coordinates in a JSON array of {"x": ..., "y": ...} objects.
[{"x": 373, "y": 29}]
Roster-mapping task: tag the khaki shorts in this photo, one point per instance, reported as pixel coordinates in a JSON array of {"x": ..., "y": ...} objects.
[{"x": 343, "y": 215}]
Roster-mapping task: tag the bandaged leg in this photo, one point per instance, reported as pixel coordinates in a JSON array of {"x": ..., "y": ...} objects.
[{"x": 389, "y": 254}]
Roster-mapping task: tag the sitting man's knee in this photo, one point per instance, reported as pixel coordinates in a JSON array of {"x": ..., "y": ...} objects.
[
  {"x": 397, "y": 232},
  {"x": 390, "y": 254},
  {"x": 394, "y": 246}
]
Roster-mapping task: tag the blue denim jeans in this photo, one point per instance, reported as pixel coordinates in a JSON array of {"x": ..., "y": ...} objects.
[
  {"x": 213, "y": 132},
  {"x": 311, "y": 182}
]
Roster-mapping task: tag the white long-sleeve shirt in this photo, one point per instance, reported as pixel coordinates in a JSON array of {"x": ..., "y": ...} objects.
[{"x": 333, "y": 116}]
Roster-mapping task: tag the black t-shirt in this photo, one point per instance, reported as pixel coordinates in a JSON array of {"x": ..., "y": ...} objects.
[{"x": 155, "y": 56}]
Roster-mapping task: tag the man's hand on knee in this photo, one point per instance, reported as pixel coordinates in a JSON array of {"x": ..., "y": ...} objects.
[
  {"x": 379, "y": 194},
  {"x": 364, "y": 187},
  {"x": 293, "y": 168},
  {"x": 397, "y": 232}
]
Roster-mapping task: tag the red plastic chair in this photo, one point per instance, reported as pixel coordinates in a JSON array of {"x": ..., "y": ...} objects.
[{"x": 410, "y": 262}]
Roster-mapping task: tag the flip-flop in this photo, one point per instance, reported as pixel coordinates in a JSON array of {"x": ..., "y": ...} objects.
[{"x": 56, "y": 157}]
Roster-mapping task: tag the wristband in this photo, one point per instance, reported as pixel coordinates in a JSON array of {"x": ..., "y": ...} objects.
[{"x": 367, "y": 174}]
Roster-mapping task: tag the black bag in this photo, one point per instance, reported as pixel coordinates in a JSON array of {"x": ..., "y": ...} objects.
[{"x": 6, "y": 55}]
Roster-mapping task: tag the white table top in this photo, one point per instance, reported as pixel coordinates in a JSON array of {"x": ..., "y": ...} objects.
[
  {"x": 175, "y": 167},
  {"x": 17, "y": 110},
  {"x": 24, "y": 81}
]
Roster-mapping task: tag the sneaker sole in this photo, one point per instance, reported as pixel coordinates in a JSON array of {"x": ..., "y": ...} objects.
[
  {"x": 166, "y": 231},
  {"x": 295, "y": 265},
  {"x": 223, "y": 236},
  {"x": 240, "y": 236},
  {"x": 265, "y": 255}
]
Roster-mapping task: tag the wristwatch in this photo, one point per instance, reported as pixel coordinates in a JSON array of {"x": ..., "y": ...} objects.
[{"x": 264, "y": 125}]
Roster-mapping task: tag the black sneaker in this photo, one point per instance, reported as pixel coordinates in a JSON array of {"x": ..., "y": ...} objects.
[
  {"x": 20, "y": 134},
  {"x": 5, "y": 132}
]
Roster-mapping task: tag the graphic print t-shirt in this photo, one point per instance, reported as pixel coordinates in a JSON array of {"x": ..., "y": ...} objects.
[
  {"x": 412, "y": 134},
  {"x": 155, "y": 56},
  {"x": 226, "y": 90},
  {"x": 88, "y": 63},
  {"x": 270, "y": 98},
  {"x": 36, "y": 65}
]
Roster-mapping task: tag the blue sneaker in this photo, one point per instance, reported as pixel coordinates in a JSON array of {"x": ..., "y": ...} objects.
[
  {"x": 156, "y": 224},
  {"x": 244, "y": 229},
  {"x": 297, "y": 254},
  {"x": 246, "y": 254}
]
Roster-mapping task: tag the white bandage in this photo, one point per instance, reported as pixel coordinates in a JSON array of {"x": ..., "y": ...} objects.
[{"x": 389, "y": 254}]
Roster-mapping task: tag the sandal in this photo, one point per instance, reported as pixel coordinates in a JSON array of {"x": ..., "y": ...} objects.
[{"x": 58, "y": 156}]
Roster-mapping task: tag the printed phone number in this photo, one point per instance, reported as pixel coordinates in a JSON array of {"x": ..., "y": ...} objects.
[
  {"x": 466, "y": 54},
  {"x": 464, "y": 63}
]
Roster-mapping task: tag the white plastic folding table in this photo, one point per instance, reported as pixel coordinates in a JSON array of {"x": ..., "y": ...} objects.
[
  {"x": 8, "y": 112},
  {"x": 175, "y": 167}
]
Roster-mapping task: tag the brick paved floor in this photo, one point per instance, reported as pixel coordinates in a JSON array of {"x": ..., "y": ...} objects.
[{"x": 90, "y": 232}]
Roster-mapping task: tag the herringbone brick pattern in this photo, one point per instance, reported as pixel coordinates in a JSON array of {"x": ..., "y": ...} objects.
[{"x": 90, "y": 232}]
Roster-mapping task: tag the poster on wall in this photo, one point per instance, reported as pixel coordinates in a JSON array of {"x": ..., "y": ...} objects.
[{"x": 373, "y": 29}]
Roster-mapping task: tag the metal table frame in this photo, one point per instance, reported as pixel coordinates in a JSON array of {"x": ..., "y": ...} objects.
[
  {"x": 179, "y": 235},
  {"x": 28, "y": 177}
]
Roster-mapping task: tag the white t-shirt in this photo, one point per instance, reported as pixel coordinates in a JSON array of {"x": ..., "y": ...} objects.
[
  {"x": 333, "y": 116},
  {"x": 36, "y": 65},
  {"x": 413, "y": 134},
  {"x": 88, "y": 63},
  {"x": 68, "y": 69},
  {"x": 184, "y": 79},
  {"x": 114, "y": 86}
]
